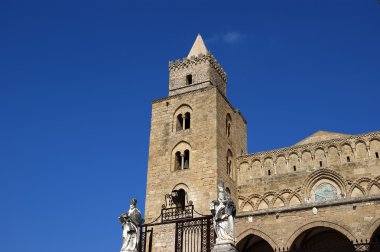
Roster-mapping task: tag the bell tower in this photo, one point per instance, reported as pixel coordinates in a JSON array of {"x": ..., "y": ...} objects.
[{"x": 195, "y": 137}]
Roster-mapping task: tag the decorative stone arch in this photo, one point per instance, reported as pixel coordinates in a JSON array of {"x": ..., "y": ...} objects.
[
  {"x": 267, "y": 196},
  {"x": 243, "y": 172},
  {"x": 374, "y": 147},
  {"x": 316, "y": 224},
  {"x": 332, "y": 146},
  {"x": 281, "y": 164},
  {"x": 367, "y": 180},
  {"x": 262, "y": 235},
  {"x": 244, "y": 201},
  {"x": 307, "y": 164},
  {"x": 319, "y": 148},
  {"x": 280, "y": 155},
  {"x": 372, "y": 229},
  {"x": 356, "y": 186},
  {"x": 361, "y": 150},
  {"x": 306, "y": 150},
  {"x": 360, "y": 140},
  {"x": 293, "y": 194},
  {"x": 345, "y": 143},
  {"x": 333, "y": 155},
  {"x": 280, "y": 197},
  {"x": 293, "y": 153},
  {"x": 326, "y": 174},
  {"x": 258, "y": 203},
  {"x": 244, "y": 162},
  {"x": 257, "y": 171},
  {"x": 373, "y": 138},
  {"x": 322, "y": 160},
  {"x": 181, "y": 110},
  {"x": 294, "y": 161},
  {"x": 268, "y": 169},
  {"x": 346, "y": 156}
]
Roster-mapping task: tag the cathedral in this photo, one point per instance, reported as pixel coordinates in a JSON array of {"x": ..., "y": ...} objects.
[{"x": 320, "y": 194}]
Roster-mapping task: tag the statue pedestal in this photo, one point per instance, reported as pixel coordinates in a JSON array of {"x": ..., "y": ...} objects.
[{"x": 224, "y": 247}]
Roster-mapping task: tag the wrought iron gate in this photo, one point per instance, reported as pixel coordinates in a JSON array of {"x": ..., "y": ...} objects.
[
  {"x": 146, "y": 239},
  {"x": 194, "y": 235},
  {"x": 191, "y": 235}
]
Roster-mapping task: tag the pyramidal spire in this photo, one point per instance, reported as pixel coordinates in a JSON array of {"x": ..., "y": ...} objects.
[{"x": 199, "y": 47}]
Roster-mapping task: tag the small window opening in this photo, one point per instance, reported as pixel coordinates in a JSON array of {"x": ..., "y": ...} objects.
[
  {"x": 229, "y": 165},
  {"x": 268, "y": 172},
  {"x": 186, "y": 160},
  {"x": 348, "y": 159},
  {"x": 178, "y": 160},
  {"x": 377, "y": 154},
  {"x": 228, "y": 130},
  {"x": 320, "y": 163},
  {"x": 294, "y": 168},
  {"x": 179, "y": 122},
  {"x": 189, "y": 79},
  {"x": 187, "y": 120}
]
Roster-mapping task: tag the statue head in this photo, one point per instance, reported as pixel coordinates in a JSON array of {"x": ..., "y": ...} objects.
[
  {"x": 133, "y": 203},
  {"x": 221, "y": 191}
]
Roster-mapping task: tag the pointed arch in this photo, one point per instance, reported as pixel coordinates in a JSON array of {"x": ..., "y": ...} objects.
[{"x": 315, "y": 224}]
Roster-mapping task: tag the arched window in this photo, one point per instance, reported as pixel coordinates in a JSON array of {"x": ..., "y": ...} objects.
[
  {"x": 181, "y": 156},
  {"x": 179, "y": 122},
  {"x": 187, "y": 120},
  {"x": 229, "y": 164},
  {"x": 182, "y": 118},
  {"x": 228, "y": 125},
  {"x": 186, "y": 159},
  {"x": 178, "y": 160}
]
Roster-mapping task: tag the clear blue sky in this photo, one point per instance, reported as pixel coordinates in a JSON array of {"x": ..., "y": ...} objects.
[{"x": 77, "y": 79}]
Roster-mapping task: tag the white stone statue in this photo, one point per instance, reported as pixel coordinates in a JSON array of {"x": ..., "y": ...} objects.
[
  {"x": 131, "y": 222},
  {"x": 224, "y": 212}
]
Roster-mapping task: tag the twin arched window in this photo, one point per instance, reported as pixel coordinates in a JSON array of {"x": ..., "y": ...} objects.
[
  {"x": 183, "y": 121},
  {"x": 182, "y": 118},
  {"x": 182, "y": 160}
]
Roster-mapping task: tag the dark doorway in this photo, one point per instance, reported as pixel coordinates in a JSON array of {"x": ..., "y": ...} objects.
[
  {"x": 375, "y": 241},
  {"x": 322, "y": 239},
  {"x": 254, "y": 243}
]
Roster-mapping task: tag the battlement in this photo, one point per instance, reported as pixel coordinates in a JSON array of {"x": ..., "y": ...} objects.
[
  {"x": 198, "y": 70},
  {"x": 195, "y": 60}
]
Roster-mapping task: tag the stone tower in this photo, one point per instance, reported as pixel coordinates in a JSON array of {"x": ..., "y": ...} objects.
[{"x": 195, "y": 137}]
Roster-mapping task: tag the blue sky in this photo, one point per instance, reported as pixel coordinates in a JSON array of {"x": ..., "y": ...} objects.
[{"x": 77, "y": 79}]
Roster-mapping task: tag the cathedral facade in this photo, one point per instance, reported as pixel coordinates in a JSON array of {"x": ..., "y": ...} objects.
[{"x": 321, "y": 194}]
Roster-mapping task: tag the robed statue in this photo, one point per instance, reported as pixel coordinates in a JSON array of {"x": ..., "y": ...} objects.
[
  {"x": 224, "y": 212},
  {"x": 131, "y": 222}
]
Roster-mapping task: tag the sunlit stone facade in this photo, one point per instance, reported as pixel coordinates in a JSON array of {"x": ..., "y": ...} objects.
[{"x": 321, "y": 193}]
